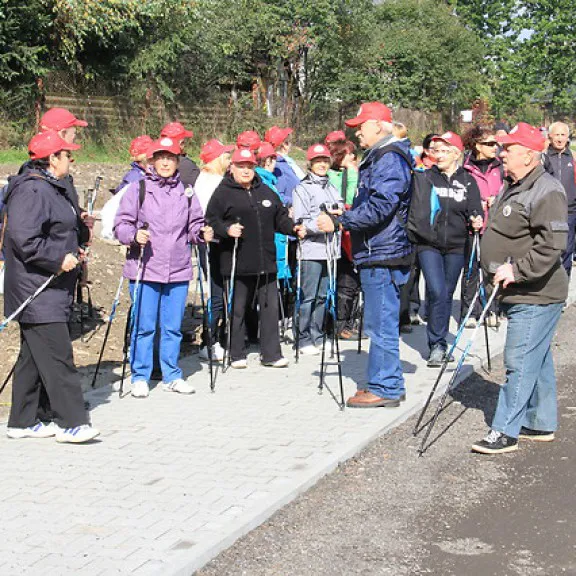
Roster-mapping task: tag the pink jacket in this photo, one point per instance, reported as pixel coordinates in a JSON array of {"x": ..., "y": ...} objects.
[
  {"x": 490, "y": 183},
  {"x": 174, "y": 221}
]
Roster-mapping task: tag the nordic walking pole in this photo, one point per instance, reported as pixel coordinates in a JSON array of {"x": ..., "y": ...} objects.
[
  {"x": 361, "y": 320},
  {"x": 445, "y": 362},
  {"x": 7, "y": 379},
  {"x": 229, "y": 303},
  {"x": 459, "y": 367},
  {"x": 28, "y": 300},
  {"x": 298, "y": 301},
  {"x": 205, "y": 318},
  {"x": 482, "y": 290},
  {"x": 133, "y": 313},
  {"x": 109, "y": 325}
]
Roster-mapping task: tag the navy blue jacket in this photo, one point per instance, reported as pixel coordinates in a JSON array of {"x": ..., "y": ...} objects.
[
  {"x": 287, "y": 180},
  {"x": 377, "y": 220},
  {"x": 43, "y": 226}
]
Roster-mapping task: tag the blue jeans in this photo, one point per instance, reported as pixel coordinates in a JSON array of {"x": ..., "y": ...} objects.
[
  {"x": 381, "y": 287},
  {"x": 312, "y": 309},
  {"x": 568, "y": 253},
  {"x": 441, "y": 272},
  {"x": 161, "y": 304},
  {"x": 528, "y": 398}
]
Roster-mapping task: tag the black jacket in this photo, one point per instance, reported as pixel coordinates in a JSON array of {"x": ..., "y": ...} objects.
[
  {"x": 68, "y": 182},
  {"x": 42, "y": 228},
  {"x": 189, "y": 172},
  {"x": 459, "y": 198},
  {"x": 561, "y": 165},
  {"x": 261, "y": 212}
]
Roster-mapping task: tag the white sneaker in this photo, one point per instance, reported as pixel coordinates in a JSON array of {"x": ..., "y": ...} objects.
[
  {"x": 280, "y": 363},
  {"x": 217, "y": 353},
  {"x": 39, "y": 430},
  {"x": 309, "y": 350},
  {"x": 239, "y": 364},
  {"x": 77, "y": 435},
  {"x": 140, "y": 389},
  {"x": 178, "y": 385}
]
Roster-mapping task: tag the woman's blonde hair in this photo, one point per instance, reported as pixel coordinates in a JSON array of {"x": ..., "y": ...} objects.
[{"x": 218, "y": 165}]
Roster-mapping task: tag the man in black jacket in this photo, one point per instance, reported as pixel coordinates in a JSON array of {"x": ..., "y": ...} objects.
[{"x": 558, "y": 160}]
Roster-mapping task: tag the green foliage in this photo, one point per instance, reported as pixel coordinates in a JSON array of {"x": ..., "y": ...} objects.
[{"x": 532, "y": 49}]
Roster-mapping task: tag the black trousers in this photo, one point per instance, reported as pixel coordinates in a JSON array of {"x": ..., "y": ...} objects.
[
  {"x": 46, "y": 359},
  {"x": 248, "y": 289},
  {"x": 410, "y": 293},
  {"x": 348, "y": 289}
]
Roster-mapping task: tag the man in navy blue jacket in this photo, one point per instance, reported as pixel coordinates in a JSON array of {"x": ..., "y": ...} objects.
[{"x": 381, "y": 249}]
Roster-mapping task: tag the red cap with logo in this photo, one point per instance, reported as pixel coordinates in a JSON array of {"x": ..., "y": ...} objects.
[
  {"x": 213, "y": 149},
  {"x": 140, "y": 145},
  {"x": 525, "y": 135},
  {"x": 249, "y": 139},
  {"x": 451, "y": 139},
  {"x": 46, "y": 143},
  {"x": 164, "y": 145},
  {"x": 277, "y": 135},
  {"x": 266, "y": 151},
  {"x": 60, "y": 119},
  {"x": 176, "y": 131},
  {"x": 241, "y": 155},
  {"x": 370, "y": 111},
  {"x": 317, "y": 151},
  {"x": 336, "y": 136}
]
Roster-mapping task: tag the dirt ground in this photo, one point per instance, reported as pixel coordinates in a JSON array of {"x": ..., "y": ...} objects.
[{"x": 105, "y": 266}]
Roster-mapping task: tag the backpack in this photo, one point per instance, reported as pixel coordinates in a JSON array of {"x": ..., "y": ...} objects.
[{"x": 109, "y": 210}]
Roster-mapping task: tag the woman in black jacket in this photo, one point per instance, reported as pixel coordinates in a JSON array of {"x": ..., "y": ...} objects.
[
  {"x": 42, "y": 239},
  {"x": 244, "y": 210},
  {"x": 445, "y": 204}
]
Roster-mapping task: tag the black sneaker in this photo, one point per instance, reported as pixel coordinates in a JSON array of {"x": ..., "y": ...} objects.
[
  {"x": 496, "y": 443},
  {"x": 536, "y": 435}
]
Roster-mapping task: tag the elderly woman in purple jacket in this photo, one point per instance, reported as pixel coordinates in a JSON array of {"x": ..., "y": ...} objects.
[{"x": 161, "y": 223}]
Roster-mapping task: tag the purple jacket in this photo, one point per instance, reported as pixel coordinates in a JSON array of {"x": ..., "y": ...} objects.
[
  {"x": 173, "y": 222},
  {"x": 135, "y": 174}
]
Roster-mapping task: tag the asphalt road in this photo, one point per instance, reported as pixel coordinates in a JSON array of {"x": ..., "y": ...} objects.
[{"x": 450, "y": 512}]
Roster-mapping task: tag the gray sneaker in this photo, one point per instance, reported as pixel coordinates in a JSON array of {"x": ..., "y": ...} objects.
[{"x": 436, "y": 358}]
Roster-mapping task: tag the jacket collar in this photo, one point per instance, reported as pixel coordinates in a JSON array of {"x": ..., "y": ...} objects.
[{"x": 526, "y": 183}]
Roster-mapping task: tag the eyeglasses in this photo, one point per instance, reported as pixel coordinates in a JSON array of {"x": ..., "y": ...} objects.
[{"x": 489, "y": 143}]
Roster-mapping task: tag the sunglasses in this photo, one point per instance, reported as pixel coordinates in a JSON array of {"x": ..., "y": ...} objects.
[{"x": 489, "y": 143}]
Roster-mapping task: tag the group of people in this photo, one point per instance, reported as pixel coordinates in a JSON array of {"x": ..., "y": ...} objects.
[{"x": 258, "y": 220}]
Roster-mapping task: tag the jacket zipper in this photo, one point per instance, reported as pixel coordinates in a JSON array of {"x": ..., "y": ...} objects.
[{"x": 259, "y": 232}]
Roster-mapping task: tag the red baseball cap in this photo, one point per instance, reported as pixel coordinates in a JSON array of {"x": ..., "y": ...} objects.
[
  {"x": 60, "y": 119},
  {"x": 140, "y": 145},
  {"x": 277, "y": 135},
  {"x": 266, "y": 151},
  {"x": 213, "y": 149},
  {"x": 525, "y": 135},
  {"x": 370, "y": 111},
  {"x": 176, "y": 131},
  {"x": 336, "y": 136},
  {"x": 249, "y": 139},
  {"x": 46, "y": 143},
  {"x": 451, "y": 139},
  {"x": 243, "y": 155},
  {"x": 317, "y": 151},
  {"x": 164, "y": 145}
]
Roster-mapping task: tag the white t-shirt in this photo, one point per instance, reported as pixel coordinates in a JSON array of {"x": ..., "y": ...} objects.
[{"x": 204, "y": 187}]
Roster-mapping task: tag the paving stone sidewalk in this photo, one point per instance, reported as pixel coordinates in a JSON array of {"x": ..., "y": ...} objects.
[{"x": 174, "y": 480}]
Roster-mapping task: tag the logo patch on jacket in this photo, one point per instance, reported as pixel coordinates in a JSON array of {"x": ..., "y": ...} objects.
[
  {"x": 457, "y": 192},
  {"x": 266, "y": 203},
  {"x": 507, "y": 210}
]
